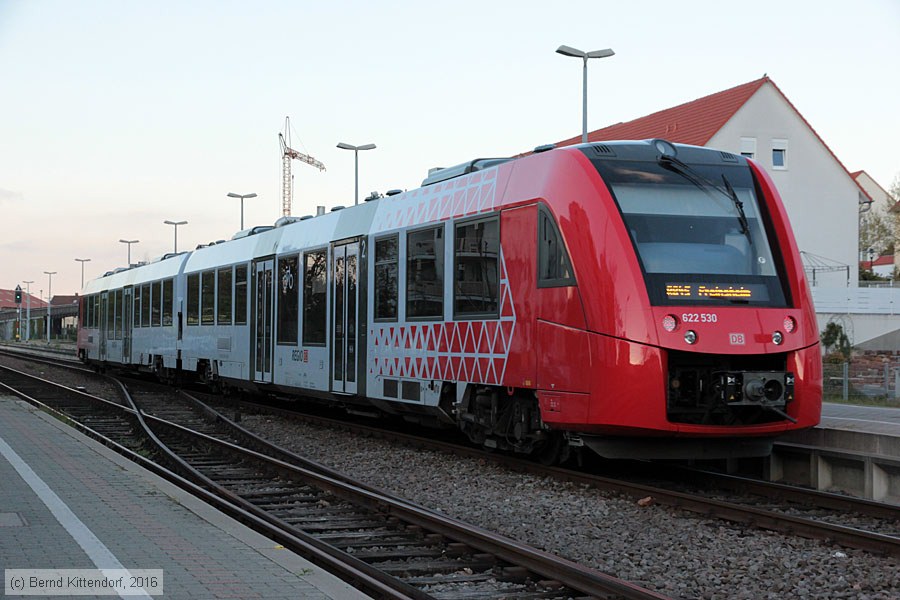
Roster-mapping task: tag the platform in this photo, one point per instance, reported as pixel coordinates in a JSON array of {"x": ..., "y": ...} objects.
[
  {"x": 67, "y": 502},
  {"x": 855, "y": 450}
]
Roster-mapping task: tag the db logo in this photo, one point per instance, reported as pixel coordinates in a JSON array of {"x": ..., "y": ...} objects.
[{"x": 736, "y": 339}]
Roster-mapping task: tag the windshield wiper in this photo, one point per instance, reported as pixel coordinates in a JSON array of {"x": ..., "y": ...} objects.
[
  {"x": 742, "y": 216},
  {"x": 685, "y": 170}
]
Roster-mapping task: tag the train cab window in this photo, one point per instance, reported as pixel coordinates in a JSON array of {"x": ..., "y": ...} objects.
[
  {"x": 288, "y": 283},
  {"x": 193, "y": 299},
  {"x": 315, "y": 294},
  {"x": 155, "y": 303},
  {"x": 117, "y": 323},
  {"x": 425, "y": 274},
  {"x": 240, "y": 295},
  {"x": 208, "y": 298},
  {"x": 168, "y": 299},
  {"x": 223, "y": 297},
  {"x": 477, "y": 269},
  {"x": 554, "y": 266},
  {"x": 387, "y": 267},
  {"x": 145, "y": 305}
]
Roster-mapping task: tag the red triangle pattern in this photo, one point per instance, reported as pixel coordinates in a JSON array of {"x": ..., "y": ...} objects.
[{"x": 469, "y": 351}]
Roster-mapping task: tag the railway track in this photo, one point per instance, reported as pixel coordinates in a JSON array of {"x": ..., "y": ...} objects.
[
  {"x": 849, "y": 521},
  {"x": 384, "y": 545}
]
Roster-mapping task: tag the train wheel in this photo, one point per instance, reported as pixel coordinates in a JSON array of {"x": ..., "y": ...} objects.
[{"x": 555, "y": 450}]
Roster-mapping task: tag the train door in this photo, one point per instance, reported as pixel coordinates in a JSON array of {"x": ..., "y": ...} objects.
[
  {"x": 105, "y": 323},
  {"x": 263, "y": 315},
  {"x": 345, "y": 326},
  {"x": 127, "y": 317}
]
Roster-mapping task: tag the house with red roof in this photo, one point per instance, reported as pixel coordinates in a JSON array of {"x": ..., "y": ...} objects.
[
  {"x": 757, "y": 120},
  {"x": 8, "y": 300}
]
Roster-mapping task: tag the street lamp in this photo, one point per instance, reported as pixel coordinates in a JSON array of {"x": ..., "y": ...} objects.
[
  {"x": 84, "y": 260},
  {"x": 176, "y": 224},
  {"x": 28, "y": 309},
  {"x": 50, "y": 275},
  {"x": 356, "y": 150},
  {"x": 129, "y": 242},
  {"x": 569, "y": 51},
  {"x": 241, "y": 196}
]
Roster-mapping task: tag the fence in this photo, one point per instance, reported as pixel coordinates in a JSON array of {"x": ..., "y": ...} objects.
[{"x": 863, "y": 379}]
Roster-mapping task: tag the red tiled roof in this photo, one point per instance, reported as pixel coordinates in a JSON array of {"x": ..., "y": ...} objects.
[
  {"x": 693, "y": 122},
  {"x": 8, "y": 300},
  {"x": 885, "y": 259},
  {"x": 696, "y": 122}
]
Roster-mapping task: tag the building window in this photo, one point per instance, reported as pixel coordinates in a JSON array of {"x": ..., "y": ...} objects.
[
  {"x": 193, "y": 299},
  {"x": 425, "y": 274},
  {"x": 288, "y": 299},
  {"x": 223, "y": 297},
  {"x": 554, "y": 267},
  {"x": 477, "y": 270},
  {"x": 240, "y": 295},
  {"x": 779, "y": 154},
  {"x": 315, "y": 294},
  {"x": 748, "y": 147},
  {"x": 168, "y": 300},
  {"x": 387, "y": 253}
]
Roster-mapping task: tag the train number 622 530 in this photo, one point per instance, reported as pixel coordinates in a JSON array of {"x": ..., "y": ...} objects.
[{"x": 699, "y": 317}]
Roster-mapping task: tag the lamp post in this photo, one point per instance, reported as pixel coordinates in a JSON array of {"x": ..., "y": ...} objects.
[
  {"x": 176, "y": 224},
  {"x": 28, "y": 309},
  {"x": 241, "y": 196},
  {"x": 84, "y": 260},
  {"x": 129, "y": 242},
  {"x": 569, "y": 51},
  {"x": 50, "y": 275},
  {"x": 356, "y": 150}
]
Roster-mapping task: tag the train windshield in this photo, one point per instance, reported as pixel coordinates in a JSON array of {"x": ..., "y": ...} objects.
[{"x": 699, "y": 232}]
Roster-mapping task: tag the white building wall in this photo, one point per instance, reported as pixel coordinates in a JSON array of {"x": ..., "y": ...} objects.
[{"x": 820, "y": 197}]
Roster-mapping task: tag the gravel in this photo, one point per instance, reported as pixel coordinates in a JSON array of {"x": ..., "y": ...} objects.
[{"x": 674, "y": 552}]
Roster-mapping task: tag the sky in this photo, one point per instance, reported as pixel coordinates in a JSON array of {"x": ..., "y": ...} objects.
[{"x": 118, "y": 115}]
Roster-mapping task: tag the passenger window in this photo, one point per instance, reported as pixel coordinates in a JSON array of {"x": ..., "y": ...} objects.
[
  {"x": 208, "y": 298},
  {"x": 193, "y": 299},
  {"x": 145, "y": 305},
  {"x": 554, "y": 267},
  {"x": 477, "y": 271},
  {"x": 315, "y": 293},
  {"x": 386, "y": 278},
  {"x": 117, "y": 302},
  {"x": 155, "y": 303},
  {"x": 240, "y": 295},
  {"x": 97, "y": 311},
  {"x": 425, "y": 274},
  {"x": 288, "y": 299},
  {"x": 223, "y": 297},
  {"x": 168, "y": 300}
]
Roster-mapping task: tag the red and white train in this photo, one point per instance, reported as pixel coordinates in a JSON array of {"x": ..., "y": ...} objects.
[{"x": 641, "y": 298}]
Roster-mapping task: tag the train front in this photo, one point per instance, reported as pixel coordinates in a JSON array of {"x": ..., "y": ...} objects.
[{"x": 718, "y": 351}]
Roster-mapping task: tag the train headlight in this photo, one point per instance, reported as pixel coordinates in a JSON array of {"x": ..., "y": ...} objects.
[
  {"x": 690, "y": 336},
  {"x": 777, "y": 338},
  {"x": 669, "y": 322},
  {"x": 789, "y": 324}
]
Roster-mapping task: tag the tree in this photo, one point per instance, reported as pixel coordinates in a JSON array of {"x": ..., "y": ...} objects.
[{"x": 835, "y": 340}]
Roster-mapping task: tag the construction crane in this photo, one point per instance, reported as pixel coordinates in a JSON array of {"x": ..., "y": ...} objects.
[{"x": 287, "y": 154}]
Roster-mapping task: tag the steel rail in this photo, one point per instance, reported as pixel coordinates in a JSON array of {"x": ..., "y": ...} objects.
[
  {"x": 764, "y": 519},
  {"x": 569, "y": 574}
]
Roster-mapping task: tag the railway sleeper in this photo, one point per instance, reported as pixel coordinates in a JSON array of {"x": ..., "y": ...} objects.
[{"x": 405, "y": 569}]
